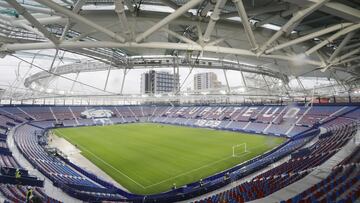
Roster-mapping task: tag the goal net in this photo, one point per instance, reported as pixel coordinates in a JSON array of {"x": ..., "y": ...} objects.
[{"x": 239, "y": 149}]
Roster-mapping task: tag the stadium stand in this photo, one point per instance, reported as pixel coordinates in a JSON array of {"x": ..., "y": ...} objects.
[
  {"x": 342, "y": 185},
  {"x": 202, "y": 101},
  {"x": 298, "y": 123},
  {"x": 18, "y": 193},
  {"x": 297, "y": 167},
  {"x": 62, "y": 175}
]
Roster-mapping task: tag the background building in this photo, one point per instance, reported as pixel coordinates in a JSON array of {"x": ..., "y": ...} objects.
[
  {"x": 204, "y": 81},
  {"x": 157, "y": 82}
]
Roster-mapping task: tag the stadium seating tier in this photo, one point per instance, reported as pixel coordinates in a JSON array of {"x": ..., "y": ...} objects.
[{"x": 299, "y": 123}]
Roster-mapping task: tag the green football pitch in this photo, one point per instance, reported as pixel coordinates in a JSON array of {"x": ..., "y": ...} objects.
[{"x": 149, "y": 158}]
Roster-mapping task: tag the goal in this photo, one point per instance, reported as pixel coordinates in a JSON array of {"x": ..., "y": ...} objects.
[{"x": 239, "y": 149}]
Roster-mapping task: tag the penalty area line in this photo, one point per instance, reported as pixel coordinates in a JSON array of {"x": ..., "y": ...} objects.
[
  {"x": 187, "y": 172},
  {"x": 100, "y": 159}
]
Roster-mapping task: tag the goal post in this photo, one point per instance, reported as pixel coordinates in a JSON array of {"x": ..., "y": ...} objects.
[{"x": 239, "y": 149}]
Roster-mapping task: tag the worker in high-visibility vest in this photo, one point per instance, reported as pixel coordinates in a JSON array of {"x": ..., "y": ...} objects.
[
  {"x": 17, "y": 177},
  {"x": 29, "y": 194},
  {"x": 17, "y": 174}
]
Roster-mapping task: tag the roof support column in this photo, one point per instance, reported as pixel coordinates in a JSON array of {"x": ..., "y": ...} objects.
[
  {"x": 245, "y": 21},
  {"x": 174, "y": 6},
  {"x": 180, "y": 37},
  {"x": 81, "y": 19},
  {"x": 349, "y": 60},
  {"x": 213, "y": 18},
  {"x": 277, "y": 16},
  {"x": 68, "y": 25},
  {"x": 125, "y": 72},
  {"x": 267, "y": 84},
  {"x": 227, "y": 82},
  {"x": 120, "y": 11},
  {"x": 332, "y": 38},
  {"x": 89, "y": 33},
  {"x": 130, "y": 5},
  {"x": 35, "y": 9},
  {"x": 341, "y": 59},
  {"x": 334, "y": 8},
  {"x": 208, "y": 7},
  {"x": 341, "y": 46},
  {"x": 190, "y": 4},
  {"x": 308, "y": 37},
  {"x": 22, "y": 11},
  {"x": 21, "y": 24},
  {"x": 298, "y": 16}
]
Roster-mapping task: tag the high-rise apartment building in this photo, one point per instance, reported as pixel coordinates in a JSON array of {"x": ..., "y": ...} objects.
[
  {"x": 157, "y": 82},
  {"x": 204, "y": 81}
]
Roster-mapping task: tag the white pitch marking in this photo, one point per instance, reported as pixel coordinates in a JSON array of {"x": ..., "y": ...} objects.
[
  {"x": 145, "y": 187},
  {"x": 204, "y": 166},
  {"x": 117, "y": 170}
]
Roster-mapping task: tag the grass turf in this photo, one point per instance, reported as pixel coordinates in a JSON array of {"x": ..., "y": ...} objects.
[{"x": 149, "y": 158}]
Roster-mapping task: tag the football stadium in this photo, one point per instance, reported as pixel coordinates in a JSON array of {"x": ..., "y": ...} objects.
[{"x": 190, "y": 101}]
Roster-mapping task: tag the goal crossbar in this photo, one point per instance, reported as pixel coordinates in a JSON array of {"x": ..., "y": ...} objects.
[{"x": 242, "y": 145}]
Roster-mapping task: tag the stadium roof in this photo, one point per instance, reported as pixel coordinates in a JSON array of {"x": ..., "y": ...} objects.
[{"x": 284, "y": 40}]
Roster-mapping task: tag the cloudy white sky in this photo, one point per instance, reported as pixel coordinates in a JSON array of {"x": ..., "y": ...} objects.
[
  {"x": 13, "y": 72},
  {"x": 11, "y": 69}
]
